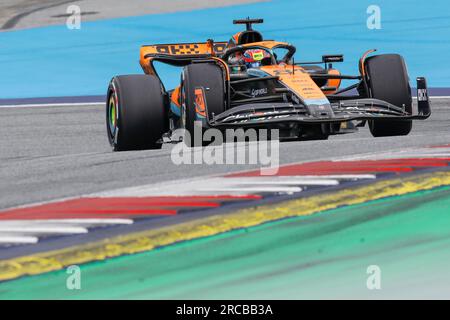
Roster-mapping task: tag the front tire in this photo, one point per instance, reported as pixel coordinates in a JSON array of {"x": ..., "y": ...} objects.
[
  {"x": 388, "y": 80},
  {"x": 135, "y": 113}
]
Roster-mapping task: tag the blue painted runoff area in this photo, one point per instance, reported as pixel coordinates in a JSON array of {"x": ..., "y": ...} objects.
[{"x": 55, "y": 61}]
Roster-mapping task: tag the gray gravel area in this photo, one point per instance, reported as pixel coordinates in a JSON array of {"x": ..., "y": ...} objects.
[{"x": 23, "y": 14}]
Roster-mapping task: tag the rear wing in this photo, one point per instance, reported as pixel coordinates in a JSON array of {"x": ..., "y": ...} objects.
[{"x": 177, "y": 52}]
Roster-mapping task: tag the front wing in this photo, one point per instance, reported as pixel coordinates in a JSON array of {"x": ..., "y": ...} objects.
[{"x": 261, "y": 114}]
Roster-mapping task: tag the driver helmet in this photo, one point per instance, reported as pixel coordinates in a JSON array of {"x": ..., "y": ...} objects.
[{"x": 253, "y": 57}]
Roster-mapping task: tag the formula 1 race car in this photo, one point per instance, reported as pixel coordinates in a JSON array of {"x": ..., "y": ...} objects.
[{"x": 249, "y": 82}]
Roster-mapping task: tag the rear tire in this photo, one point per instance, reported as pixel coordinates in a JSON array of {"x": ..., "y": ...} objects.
[
  {"x": 136, "y": 116},
  {"x": 210, "y": 77},
  {"x": 388, "y": 80}
]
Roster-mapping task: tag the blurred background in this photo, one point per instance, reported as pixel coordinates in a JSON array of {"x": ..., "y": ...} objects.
[{"x": 41, "y": 56}]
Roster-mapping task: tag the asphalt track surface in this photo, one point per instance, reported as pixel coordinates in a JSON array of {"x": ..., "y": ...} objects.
[{"x": 47, "y": 153}]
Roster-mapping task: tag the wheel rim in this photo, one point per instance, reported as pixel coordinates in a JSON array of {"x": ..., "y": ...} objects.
[{"x": 112, "y": 114}]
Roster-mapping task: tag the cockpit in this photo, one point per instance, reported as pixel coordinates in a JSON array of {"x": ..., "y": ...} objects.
[{"x": 247, "y": 49}]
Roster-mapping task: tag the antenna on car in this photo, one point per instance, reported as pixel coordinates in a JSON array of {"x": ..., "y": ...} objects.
[
  {"x": 248, "y": 22},
  {"x": 293, "y": 65}
]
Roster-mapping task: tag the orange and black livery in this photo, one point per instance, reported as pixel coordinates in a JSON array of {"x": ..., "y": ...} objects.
[{"x": 252, "y": 82}]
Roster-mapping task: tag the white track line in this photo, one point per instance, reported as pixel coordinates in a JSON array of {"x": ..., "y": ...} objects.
[
  {"x": 401, "y": 156},
  {"x": 44, "y": 105},
  {"x": 425, "y": 152},
  {"x": 339, "y": 177},
  {"x": 92, "y": 221},
  {"x": 28, "y": 231},
  {"x": 232, "y": 189},
  {"x": 427, "y": 155},
  {"x": 18, "y": 240},
  {"x": 25, "y": 229},
  {"x": 65, "y": 222},
  {"x": 280, "y": 181},
  {"x": 313, "y": 177}
]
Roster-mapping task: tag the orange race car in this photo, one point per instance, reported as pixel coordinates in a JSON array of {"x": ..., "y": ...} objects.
[{"x": 250, "y": 82}]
